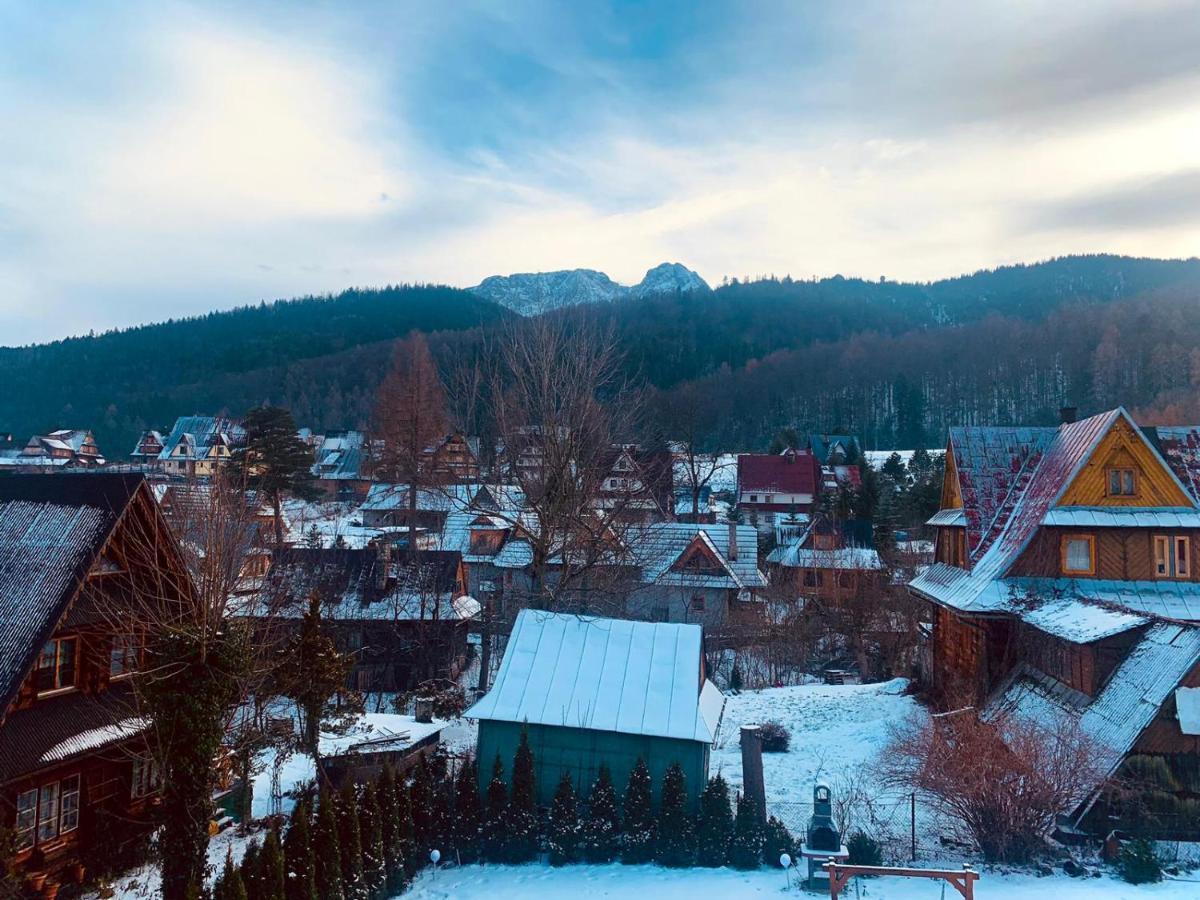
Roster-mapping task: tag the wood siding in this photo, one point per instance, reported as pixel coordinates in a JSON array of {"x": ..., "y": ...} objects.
[
  {"x": 951, "y": 493},
  {"x": 1122, "y": 554},
  {"x": 1122, "y": 448}
]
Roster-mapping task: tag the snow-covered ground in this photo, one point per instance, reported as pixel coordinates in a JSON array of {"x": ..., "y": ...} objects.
[
  {"x": 876, "y": 458},
  {"x": 332, "y": 520},
  {"x": 617, "y": 882}
]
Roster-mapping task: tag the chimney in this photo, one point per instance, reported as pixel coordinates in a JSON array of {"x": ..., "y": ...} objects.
[
  {"x": 1068, "y": 414},
  {"x": 733, "y": 547}
]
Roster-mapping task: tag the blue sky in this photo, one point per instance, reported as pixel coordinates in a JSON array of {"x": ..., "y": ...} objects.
[{"x": 164, "y": 159}]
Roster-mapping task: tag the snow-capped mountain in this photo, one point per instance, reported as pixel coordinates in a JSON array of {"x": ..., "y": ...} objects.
[{"x": 537, "y": 292}]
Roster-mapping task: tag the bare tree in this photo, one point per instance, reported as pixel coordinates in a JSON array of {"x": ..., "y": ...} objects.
[
  {"x": 197, "y": 668},
  {"x": 1004, "y": 779},
  {"x": 410, "y": 418},
  {"x": 689, "y": 418}
]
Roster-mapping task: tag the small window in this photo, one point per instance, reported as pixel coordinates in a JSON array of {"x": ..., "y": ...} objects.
[
  {"x": 123, "y": 657},
  {"x": 1122, "y": 483},
  {"x": 145, "y": 777},
  {"x": 1172, "y": 556},
  {"x": 754, "y": 498},
  {"x": 1079, "y": 554},
  {"x": 56, "y": 665},
  {"x": 697, "y": 604},
  {"x": 26, "y": 819},
  {"x": 812, "y": 578}
]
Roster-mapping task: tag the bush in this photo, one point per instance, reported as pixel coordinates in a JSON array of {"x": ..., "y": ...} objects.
[
  {"x": 777, "y": 842},
  {"x": 1139, "y": 863},
  {"x": 864, "y": 850},
  {"x": 775, "y": 738}
]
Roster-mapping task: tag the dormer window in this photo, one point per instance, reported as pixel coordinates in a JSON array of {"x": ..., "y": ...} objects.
[
  {"x": 56, "y": 665},
  {"x": 1122, "y": 483}
]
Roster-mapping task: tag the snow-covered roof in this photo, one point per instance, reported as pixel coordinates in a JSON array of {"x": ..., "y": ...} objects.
[
  {"x": 382, "y": 497},
  {"x": 1122, "y": 517},
  {"x": 1079, "y": 622},
  {"x": 655, "y": 548},
  {"x": 852, "y": 558},
  {"x": 1126, "y": 705},
  {"x": 606, "y": 675},
  {"x": 195, "y": 433}
]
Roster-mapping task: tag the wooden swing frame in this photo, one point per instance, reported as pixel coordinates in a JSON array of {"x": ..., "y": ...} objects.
[{"x": 962, "y": 880}]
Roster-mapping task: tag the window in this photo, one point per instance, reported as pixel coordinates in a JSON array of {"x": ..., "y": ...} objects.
[
  {"x": 56, "y": 665},
  {"x": 145, "y": 777},
  {"x": 47, "y": 812},
  {"x": 754, "y": 498},
  {"x": 697, "y": 604},
  {"x": 812, "y": 578},
  {"x": 68, "y": 819},
  {"x": 845, "y": 579},
  {"x": 1172, "y": 556},
  {"x": 1078, "y": 554},
  {"x": 1122, "y": 483},
  {"x": 123, "y": 657},
  {"x": 26, "y": 818}
]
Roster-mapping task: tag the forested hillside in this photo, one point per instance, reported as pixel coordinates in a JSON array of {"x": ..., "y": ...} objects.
[{"x": 894, "y": 362}]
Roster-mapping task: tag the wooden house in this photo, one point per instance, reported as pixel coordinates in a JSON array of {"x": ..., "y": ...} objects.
[
  {"x": 1065, "y": 583},
  {"x": 637, "y": 487},
  {"x": 199, "y": 445},
  {"x": 454, "y": 458},
  {"x": 63, "y": 449},
  {"x": 824, "y": 562},
  {"x": 76, "y": 780},
  {"x": 591, "y": 691},
  {"x": 340, "y": 464}
]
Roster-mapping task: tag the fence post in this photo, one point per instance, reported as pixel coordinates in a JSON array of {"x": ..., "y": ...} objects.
[{"x": 913, "y": 823}]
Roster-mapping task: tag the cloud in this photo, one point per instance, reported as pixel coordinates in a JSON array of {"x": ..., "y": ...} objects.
[{"x": 1162, "y": 202}]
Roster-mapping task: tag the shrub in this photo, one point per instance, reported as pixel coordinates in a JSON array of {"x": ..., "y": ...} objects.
[
  {"x": 775, "y": 738},
  {"x": 746, "y": 848},
  {"x": 864, "y": 850},
  {"x": 637, "y": 845},
  {"x": 676, "y": 848},
  {"x": 778, "y": 841},
  {"x": 714, "y": 830},
  {"x": 602, "y": 827},
  {"x": 1138, "y": 863}
]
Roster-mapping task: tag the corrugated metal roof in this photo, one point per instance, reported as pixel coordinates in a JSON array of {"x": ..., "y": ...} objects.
[
  {"x": 1122, "y": 517},
  {"x": 604, "y": 674},
  {"x": 948, "y": 517}
]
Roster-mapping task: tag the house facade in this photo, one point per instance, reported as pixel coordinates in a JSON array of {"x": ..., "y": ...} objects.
[
  {"x": 77, "y": 782},
  {"x": 63, "y": 449},
  {"x": 823, "y": 562},
  {"x": 1065, "y": 587},
  {"x": 591, "y": 691},
  {"x": 340, "y": 464},
  {"x": 199, "y": 445},
  {"x": 774, "y": 486}
]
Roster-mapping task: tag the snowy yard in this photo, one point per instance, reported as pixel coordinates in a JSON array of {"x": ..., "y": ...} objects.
[{"x": 619, "y": 882}]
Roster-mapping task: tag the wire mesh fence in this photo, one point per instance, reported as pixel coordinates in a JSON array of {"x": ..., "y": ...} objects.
[{"x": 895, "y": 820}]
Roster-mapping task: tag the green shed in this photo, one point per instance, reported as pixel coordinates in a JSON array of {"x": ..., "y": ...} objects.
[{"x": 594, "y": 691}]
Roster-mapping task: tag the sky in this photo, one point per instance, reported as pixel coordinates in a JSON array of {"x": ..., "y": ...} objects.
[{"x": 164, "y": 159}]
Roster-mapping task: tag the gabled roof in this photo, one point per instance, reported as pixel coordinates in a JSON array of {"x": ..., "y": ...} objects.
[
  {"x": 51, "y": 529},
  {"x": 197, "y": 434},
  {"x": 656, "y": 547},
  {"x": 643, "y": 678},
  {"x": 823, "y": 444},
  {"x": 790, "y": 472}
]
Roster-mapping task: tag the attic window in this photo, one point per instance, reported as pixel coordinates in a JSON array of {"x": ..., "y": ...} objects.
[{"x": 1122, "y": 483}]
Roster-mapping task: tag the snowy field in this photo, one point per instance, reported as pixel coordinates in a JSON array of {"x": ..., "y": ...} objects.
[
  {"x": 619, "y": 882},
  {"x": 332, "y": 519},
  {"x": 876, "y": 458}
]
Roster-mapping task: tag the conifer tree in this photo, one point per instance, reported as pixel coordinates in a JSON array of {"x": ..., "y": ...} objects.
[
  {"x": 233, "y": 887},
  {"x": 405, "y": 834},
  {"x": 522, "y": 805},
  {"x": 275, "y": 460},
  {"x": 327, "y": 852},
  {"x": 350, "y": 843},
  {"x": 468, "y": 813},
  {"x": 676, "y": 844},
  {"x": 374, "y": 864},
  {"x": 311, "y": 670},
  {"x": 639, "y": 836},
  {"x": 270, "y": 869},
  {"x": 601, "y": 834},
  {"x": 715, "y": 828},
  {"x": 250, "y": 869},
  {"x": 495, "y": 810},
  {"x": 746, "y": 848},
  {"x": 393, "y": 853},
  {"x": 564, "y": 828},
  {"x": 424, "y": 816},
  {"x": 777, "y": 841},
  {"x": 301, "y": 880}
]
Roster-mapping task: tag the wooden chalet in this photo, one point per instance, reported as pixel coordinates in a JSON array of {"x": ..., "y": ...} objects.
[
  {"x": 1065, "y": 587},
  {"x": 402, "y": 618},
  {"x": 77, "y": 784},
  {"x": 66, "y": 448},
  {"x": 454, "y": 458},
  {"x": 826, "y": 561},
  {"x": 637, "y": 487},
  {"x": 199, "y": 445}
]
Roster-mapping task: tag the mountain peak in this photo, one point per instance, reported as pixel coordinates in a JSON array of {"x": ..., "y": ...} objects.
[{"x": 530, "y": 293}]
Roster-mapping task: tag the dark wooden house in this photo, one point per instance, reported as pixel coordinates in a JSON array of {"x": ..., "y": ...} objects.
[
  {"x": 76, "y": 779},
  {"x": 1065, "y": 587}
]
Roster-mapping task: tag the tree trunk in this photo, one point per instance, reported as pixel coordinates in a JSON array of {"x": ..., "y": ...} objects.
[
  {"x": 485, "y": 647},
  {"x": 277, "y": 506}
]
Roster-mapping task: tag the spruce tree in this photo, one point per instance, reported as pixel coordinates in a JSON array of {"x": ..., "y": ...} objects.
[
  {"x": 777, "y": 841},
  {"x": 275, "y": 460},
  {"x": 715, "y": 828},
  {"x": 301, "y": 881},
  {"x": 374, "y": 864},
  {"x": 350, "y": 843},
  {"x": 639, "y": 836},
  {"x": 495, "y": 810},
  {"x": 522, "y": 805},
  {"x": 468, "y": 813},
  {"x": 327, "y": 851},
  {"x": 271, "y": 875},
  {"x": 564, "y": 828},
  {"x": 311, "y": 670},
  {"x": 602, "y": 827},
  {"x": 676, "y": 844},
  {"x": 405, "y": 829},
  {"x": 393, "y": 853},
  {"x": 746, "y": 848},
  {"x": 220, "y": 889},
  {"x": 250, "y": 869},
  {"x": 422, "y": 798},
  {"x": 234, "y": 885}
]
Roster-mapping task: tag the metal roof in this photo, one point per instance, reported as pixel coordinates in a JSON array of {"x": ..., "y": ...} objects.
[
  {"x": 630, "y": 677},
  {"x": 1123, "y": 517}
]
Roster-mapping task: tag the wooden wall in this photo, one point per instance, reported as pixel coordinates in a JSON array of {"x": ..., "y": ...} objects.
[
  {"x": 1122, "y": 554},
  {"x": 1122, "y": 448}
]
